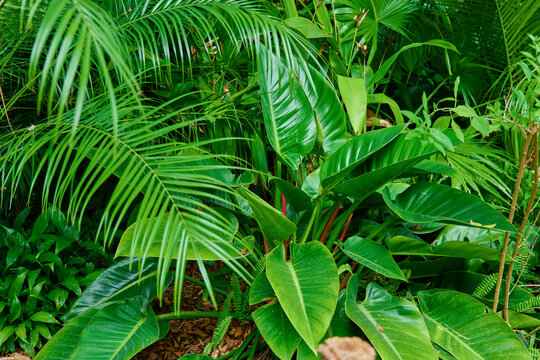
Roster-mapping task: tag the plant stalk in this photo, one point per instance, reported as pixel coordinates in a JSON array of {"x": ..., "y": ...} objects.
[
  {"x": 521, "y": 229},
  {"x": 198, "y": 315},
  {"x": 504, "y": 250}
]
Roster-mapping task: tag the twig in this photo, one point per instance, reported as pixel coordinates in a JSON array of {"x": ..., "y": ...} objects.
[
  {"x": 522, "y": 228},
  {"x": 511, "y": 218}
]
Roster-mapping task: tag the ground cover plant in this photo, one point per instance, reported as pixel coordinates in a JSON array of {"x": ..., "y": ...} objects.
[{"x": 345, "y": 168}]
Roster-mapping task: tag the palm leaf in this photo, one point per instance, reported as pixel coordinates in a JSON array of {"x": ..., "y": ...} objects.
[{"x": 144, "y": 164}]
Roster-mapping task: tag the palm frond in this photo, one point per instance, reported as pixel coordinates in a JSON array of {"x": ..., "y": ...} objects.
[
  {"x": 76, "y": 42},
  {"x": 175, "y": 31},
  {"x": 493, "y": 32},
  {"x": 144, "y": 164}
]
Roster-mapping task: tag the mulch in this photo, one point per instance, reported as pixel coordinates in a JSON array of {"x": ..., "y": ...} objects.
[{"x": 190, "y": 336}]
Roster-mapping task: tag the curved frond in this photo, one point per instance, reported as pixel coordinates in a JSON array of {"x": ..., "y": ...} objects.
[
  {"x": 177, "y": 31},
  {"x": 143, "y": 165}
]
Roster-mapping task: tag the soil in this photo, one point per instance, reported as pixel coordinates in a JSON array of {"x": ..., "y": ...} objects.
[{"x": 190, "y": 336}]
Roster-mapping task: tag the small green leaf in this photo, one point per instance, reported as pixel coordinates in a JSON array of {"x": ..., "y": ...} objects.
[
  {"x": 354, "y": 94},
  {"x": 274, "y": 225},
  {"x": 44, "y": 317},
  {"x": 481, "y": 124},
  {"x": 374, "y": 256}
]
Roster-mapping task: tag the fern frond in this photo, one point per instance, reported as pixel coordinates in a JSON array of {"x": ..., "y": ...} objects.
[
  {"x": 222, "y": 325},
  {"x": 527, "y": 305},
  {"x": 343, "y": 268},
  {"x": 238, "y": 296},
  {"x": 485, "y": 286}
]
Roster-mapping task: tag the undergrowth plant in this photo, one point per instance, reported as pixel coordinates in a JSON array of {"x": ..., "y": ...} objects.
[{"x": 333, "y": 168}]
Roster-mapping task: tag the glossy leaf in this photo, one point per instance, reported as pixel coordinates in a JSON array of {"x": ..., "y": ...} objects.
[
  {"x": 354, "y": 153},
  {"x": 468, "y": 329},
  {"x": 115, "y": 330},
  {"x": 288, "y": 117},
  {"x": 260, "y": 290},
  {"x": 123, "y": 280},
  {"x": 274, "y": 225},
  {"x": 327, "y": 109},
  {"x": 393, "y": 325},
  {"x": 296, "y": 197},
  {"x": 401, "y": 245},
  {"x": 430, "y": 202},
  {"x": 216, "y": 247},
  {"x": 354, "y": 94},
  {"x": 372, "y": 255},
  {"x": 277, "y": 330},
  {"x": 306, "y": 286},
  {"x": 388, "y": 164}
]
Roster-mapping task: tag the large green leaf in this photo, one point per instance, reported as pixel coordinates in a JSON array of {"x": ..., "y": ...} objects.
[
  {"x": 430, "y": 202},
  {"x": 402, "y": 245},
  {"x": 306, "y": 286},
  {"x": 372, "y": 255},
  {"x": 274, "y": 225},
  {"x": 123, "y": 280},
  {"x": 277, "y": 330},
  {"x": 217, "y": 247},
  {"x": 353, "y": 153},
  {"x": 468, "y": 329},
  {"x": 354, "y": 94},
  {"x": 288, "y": 117},
  {"x": 393, "y": 325},
  {"x": 467, "y": 282},
  {"x": 275, "y": 327},
  {"x": 298, "y": 104},
  {"x": 389, "y": 163},
  {"x": 115, "y": 330},
  {"x": 327, "y": 109}
]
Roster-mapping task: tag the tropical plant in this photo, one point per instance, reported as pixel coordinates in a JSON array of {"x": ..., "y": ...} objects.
[
  {"x": 44, "y": 270},
  {"x": 243, "y": 132}
]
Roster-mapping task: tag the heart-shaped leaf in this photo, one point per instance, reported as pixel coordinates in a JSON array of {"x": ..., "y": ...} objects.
[
  {"x": 306, "y": 286},
  {"x": 393, "y": 325},
  {"x": 467, "y": 328}
]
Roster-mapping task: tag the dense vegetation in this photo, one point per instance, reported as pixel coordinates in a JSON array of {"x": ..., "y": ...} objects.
[{"x": 355, "y": 168}]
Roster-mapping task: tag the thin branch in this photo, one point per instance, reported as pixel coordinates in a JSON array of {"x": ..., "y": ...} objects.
[
  {"x": 522, "y": 228},
  {"x": 504, "y": 250}
]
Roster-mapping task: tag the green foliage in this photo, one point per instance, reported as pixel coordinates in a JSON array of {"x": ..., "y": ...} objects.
[
  {"x": 41, "y": 276},
  {"x": 245, "y": 136}
]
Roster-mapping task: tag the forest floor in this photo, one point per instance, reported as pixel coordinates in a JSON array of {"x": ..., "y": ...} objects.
[{"x": 188, "y": 336}]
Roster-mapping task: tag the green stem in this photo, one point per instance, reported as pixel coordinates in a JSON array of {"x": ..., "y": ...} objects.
[
  {"x": 198, "y": 315},
  {"x": 311, "y": 220},
  {"x": 201, "y": 283}
]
